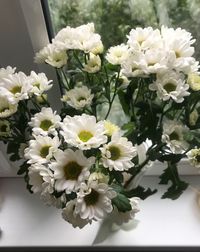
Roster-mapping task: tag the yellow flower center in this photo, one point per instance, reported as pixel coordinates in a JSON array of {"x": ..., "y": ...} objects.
[
  {"x": 151, "y": 63},
  {"x": 174, "y": 136},
  {"x": 3, "y": 109},
  {"x": 36, "y": 84},
  {"x": 72, "y": 170},
  {"x": 92, "y": 198},
  {"x": 4, "y": 128},
  {"x": 178, "y": 55},
  {"x": 169, "y": 87},
  {"x": 45, "y": 124},
  {"x": 81, "y": 98},
  {"x": 16, "y": 89},
  {"x": 198, "y": 158},
  {"x": 44, "y": 151},
  {"x": 114, "y": 152},
  {"x": 84, "y": 135}
]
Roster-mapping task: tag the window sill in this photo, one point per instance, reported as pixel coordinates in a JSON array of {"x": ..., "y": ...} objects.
[{"x": 160, "y": 222}]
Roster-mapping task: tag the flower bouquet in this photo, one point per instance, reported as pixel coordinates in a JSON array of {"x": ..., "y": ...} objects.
[{"x": 122, "y": 110}]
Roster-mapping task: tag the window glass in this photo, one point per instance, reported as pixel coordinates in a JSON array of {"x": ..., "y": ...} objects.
[{"x": 113, "y": 19}]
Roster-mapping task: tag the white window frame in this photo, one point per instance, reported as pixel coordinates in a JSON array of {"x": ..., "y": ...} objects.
[{"x": 33, "y": 18}]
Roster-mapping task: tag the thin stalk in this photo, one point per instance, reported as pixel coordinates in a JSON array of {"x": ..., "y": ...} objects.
[
  {"x": 114, "y": 95},
  {"x": 139, "y": 167}
]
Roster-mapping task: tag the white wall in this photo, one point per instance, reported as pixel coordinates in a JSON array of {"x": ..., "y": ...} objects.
[{"x": 22, "y": 33}]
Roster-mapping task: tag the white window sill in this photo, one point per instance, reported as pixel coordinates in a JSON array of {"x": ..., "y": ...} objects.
[{"x": 26, "y": 221}]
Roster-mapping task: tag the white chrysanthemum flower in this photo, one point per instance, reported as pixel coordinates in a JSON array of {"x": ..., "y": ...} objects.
[
  {"x": 4, "y": 72},
  {"x": 194, "y": 157},
  {"x": 45, "y": 122},
  {"x": 52, "y": 55},
  {"x": 82, "y": 38},
  {"x": 93, "y": 64},
  {"x": 5, "y": 130},
  {"x": 6, "y": 108},
  {"x": 193, "y": 67},
  {"x": 118, "y": 153},
  {"x": 50, "y": 200},
  {"x": 79, "y": 97},
  {"x": 39, "y": 83},
  {"x": 99, "y": 177},
  {"x": 173, "y": 136},
  {"x": 156, "y": 61},
  {"x": 116, "y": 55},
  {"x": 179, "y": 42},
  {"x": 98, "y": 49},
  {"x": 186, "y": 65},
  {"x": 194, "y": 81},
  {"x": 40, "y": 178},
  {"x": 123, "y": 217},
  {"x": 42, "y": 149},
  {"x": 94, "y": 201},
  {"x": 110, "y": 128},
  {"x": 70, "y": 169},
  {"x": 144, "y": 38},
  {"x": 83, "y": 131},
  {"x": 193, "y": 117},
  {"x": 72, "y": 217},
  {"x": 15, "y": 87},
  {"x": 124, "y": 81},
  {"x": 135, "y": 65},
  {"x": 170, "y": 85},
  {"x": 169, "y": 34}
]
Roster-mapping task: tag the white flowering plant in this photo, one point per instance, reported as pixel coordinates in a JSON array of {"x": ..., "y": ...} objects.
[{"x": 78, "y": 159}]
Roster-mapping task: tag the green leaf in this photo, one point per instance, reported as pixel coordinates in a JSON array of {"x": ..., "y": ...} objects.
[
  {"x": 171, "y": 175},
  {"x": 175, "y": 191},
  {"x": 23, "y": 168},
  {"x": 28, "y": 186},
  {"x": 124, "y": 102},
  {"x": 122, "y": 203},
  {"x": 115, "y": 175},
  {"x": 112, "y": 67},
  {"x": 172, "y": 158},
  {"x": 140, "y": 192},
  {"x": 129, "y": 128},
  {"x": 117, "y": 188},
  {"x": 69, "y": 111},
  {"x": 12, "y": 147},
  {"x": 14, "y": 157}
]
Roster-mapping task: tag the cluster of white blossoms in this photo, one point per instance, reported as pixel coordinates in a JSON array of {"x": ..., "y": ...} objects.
[
  {"x": 166, "y": 53},
  {"x": 69, "y": 164},
  {"x": 16, "y": 86},
  {"x": 81, "y": 38},
  {"x": 79, "y": 161}
]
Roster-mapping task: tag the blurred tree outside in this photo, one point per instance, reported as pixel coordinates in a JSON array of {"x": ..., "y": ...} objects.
[{"x": 113, "y": 19}]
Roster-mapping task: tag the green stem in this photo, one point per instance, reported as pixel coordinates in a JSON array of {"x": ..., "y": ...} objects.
[
  {"x": 35, "y": 105},
  {"x": 65, "y": 77},
  {"x": 45, "y": 101},
  {"x": 113, "y": 97},
  {"x": 78, "y": 60},
  {"x": 138, "y": 168}
]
